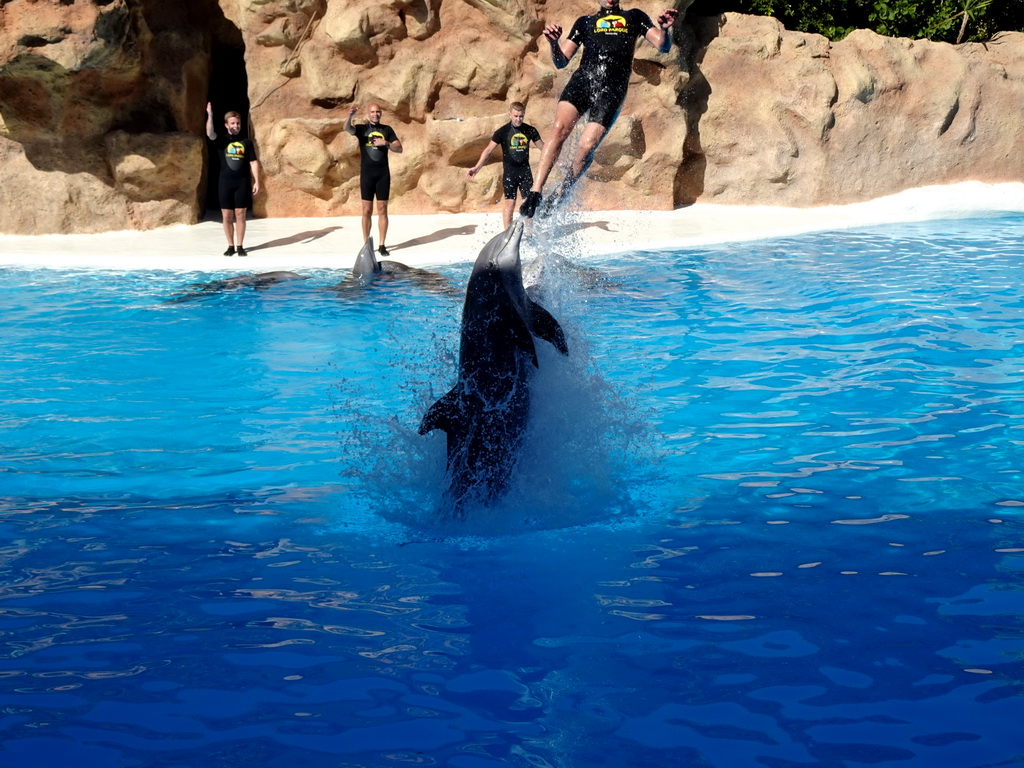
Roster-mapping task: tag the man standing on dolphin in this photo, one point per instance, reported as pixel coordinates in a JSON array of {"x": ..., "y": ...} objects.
[{"x": 597, "y": 87}]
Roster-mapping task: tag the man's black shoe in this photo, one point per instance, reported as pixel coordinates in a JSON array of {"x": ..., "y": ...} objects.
[
  {"x": 240, "y": 251},
  {"x": 529, "y": 206},
  {"x": 230, "y": 251},
  {"x": 383, "y": 251}
]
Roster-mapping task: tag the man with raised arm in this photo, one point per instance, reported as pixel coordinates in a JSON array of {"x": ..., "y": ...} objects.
[
  {"x": 376, "y": 140},
  {"x": 598, "y": 86},
  {"x": 239, "y": 177}
]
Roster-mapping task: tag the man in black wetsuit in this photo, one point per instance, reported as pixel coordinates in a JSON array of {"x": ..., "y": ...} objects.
[
  {"x": 514, "y": 139},
  {"x": 239, "y": 177},
  {"x": 375, "y": 141},
  {"x": 598, "y": 86}
]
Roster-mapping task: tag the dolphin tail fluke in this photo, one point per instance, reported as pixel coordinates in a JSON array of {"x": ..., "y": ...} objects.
[
  {"x": 546, "y": 327},
  {"x": 443, "y": 414}
]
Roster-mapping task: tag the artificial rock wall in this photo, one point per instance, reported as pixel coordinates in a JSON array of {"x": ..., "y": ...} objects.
[{"x": 102, "y": 107}]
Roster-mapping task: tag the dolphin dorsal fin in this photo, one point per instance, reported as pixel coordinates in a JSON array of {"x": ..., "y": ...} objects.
[
  {"x": 546, "y": 327},
  {"x": 523, "y": 339}
]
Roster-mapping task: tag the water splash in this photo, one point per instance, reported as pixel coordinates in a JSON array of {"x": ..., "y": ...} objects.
[{"x": 588, "y": 455}]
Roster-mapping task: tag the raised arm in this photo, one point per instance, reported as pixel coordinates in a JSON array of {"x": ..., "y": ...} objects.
[
  {"x": 561, "y": 50},
  {"x": 349, "y": 128},
  {"x": 658, "y": 35},
  {"x": 211, "y": 132}
]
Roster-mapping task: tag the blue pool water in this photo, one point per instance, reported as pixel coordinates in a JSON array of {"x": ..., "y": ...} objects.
[{"x": 769, "y": 513}]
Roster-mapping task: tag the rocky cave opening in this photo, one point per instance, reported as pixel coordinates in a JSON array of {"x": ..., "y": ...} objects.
[{"x": 228, "y": 91}]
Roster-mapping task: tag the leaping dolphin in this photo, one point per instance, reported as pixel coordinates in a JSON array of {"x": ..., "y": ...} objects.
[{"x": 485, "y": 413}]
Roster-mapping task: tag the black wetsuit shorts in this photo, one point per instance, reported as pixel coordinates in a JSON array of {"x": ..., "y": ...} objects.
[
  {"x": 596, "y": 96},
  {"x": 375, "y": 182},
  {"x": 516, "y": 179},
  {"x": 234, "y": 192}
]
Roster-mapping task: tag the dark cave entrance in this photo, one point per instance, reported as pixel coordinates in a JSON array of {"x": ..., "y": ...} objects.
[{"x": 228, "y": 91}]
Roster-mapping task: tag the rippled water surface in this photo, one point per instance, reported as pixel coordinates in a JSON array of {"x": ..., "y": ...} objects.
[{"x": 768, "y": 514}]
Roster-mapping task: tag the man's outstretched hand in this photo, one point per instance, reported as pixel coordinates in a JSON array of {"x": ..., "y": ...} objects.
[{"x": 552, "y": 32}]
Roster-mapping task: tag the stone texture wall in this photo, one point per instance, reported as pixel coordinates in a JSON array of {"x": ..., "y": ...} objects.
[
  {"x": 96, "y": 114},
  {"x": 792, "y": 119},
  {"x": 444, "y": 72},
  {"x": 102, "y": 104}
]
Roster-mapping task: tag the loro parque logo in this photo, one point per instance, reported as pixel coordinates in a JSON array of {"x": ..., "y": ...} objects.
[{"x": 611, "y": 24}]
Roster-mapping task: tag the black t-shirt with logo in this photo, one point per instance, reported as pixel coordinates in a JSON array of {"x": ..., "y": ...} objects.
[
  {"x": 235, "y": 154},
  {"x": 609, "y": 42},
  {"x": 373, "y": 158},
  {"x": 515, "y": 144}
]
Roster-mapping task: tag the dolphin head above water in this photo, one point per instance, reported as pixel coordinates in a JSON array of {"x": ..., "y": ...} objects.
[
  {"x": 367, "y": 270},
  {"x": 502, "y": 251},
  {"x": 366, "y": 265},
  {"x": 499, "y": 263}
]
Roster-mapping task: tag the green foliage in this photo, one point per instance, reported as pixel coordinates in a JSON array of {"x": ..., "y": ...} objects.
[
  {"x": 973, "y": 10},
  {"x": 903, "y": 18},
  {"x": 946, "y": 20}
]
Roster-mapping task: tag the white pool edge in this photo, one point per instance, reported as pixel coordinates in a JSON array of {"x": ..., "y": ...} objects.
[{"x": 437, "y": 239}]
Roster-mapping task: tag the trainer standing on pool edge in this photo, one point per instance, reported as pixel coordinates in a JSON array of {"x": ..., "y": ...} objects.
[
  {"x": 514, "y": 139},
  {"x": 599, "y": 84},
  {"x": 376, "y": 140},
  {"x": 239, "y": 177}
]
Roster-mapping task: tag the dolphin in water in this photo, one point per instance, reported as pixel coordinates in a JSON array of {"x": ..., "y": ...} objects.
[
  {"x": 485, "y": 413},
  {"x": 259, "y": 282},
  {"x": 367, "y": 270}
]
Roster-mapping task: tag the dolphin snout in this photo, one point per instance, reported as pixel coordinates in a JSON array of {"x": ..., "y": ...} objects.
[
  {"x": 510, "y": 240},
  {"x": 515, "y": 233}
]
